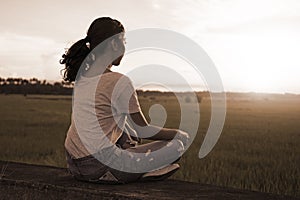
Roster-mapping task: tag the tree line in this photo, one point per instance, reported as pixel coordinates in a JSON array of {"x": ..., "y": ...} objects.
[{"x": 34, "y": 86}]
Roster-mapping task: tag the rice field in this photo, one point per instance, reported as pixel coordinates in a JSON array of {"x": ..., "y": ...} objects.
[{"x": 257, "y": 149}]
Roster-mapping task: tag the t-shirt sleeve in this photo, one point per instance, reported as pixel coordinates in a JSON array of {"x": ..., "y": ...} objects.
[{"x": 126, "y": 101}]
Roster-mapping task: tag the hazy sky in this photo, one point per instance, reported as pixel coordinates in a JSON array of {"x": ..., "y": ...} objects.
[{"x": 255, "y": 44}]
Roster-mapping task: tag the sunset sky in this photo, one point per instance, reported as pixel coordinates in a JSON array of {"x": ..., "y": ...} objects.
[{"x": 255, "y": 45}]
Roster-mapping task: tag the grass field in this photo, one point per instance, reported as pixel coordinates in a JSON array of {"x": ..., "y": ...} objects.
[{"x": 258, "y": 149}]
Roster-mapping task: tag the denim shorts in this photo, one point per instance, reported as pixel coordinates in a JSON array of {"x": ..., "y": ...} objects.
[{"x": 92, "y": 170}]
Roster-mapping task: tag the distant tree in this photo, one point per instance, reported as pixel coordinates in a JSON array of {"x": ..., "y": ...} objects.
[
  {"x": 187, "y": 99},
  {"x": 33, "y": 86},
  {"x": 57, "y": 84},
  {"x": 24, "y": 82},
  {"x": 10, "y": 81},
  {"x": 199, "y": 98}
]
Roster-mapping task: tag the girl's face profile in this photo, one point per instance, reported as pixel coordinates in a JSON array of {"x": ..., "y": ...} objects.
[
  {"x": 119, "y": 49},
  {"x": 117, "y": 61},
  {"x": 122, "y": 38}
]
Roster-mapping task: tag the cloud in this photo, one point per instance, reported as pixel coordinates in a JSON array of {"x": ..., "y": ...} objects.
[
  {"x": 29, "y": 56},
  {"x": 66, "y": 20},
  {"x": 33, "y": 34}
]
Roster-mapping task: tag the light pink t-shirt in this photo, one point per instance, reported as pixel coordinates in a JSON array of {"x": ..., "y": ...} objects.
[{"x": 100, "y": 108}]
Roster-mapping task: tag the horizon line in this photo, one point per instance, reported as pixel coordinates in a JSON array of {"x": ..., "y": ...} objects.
[{"x": 179, "y": 88}]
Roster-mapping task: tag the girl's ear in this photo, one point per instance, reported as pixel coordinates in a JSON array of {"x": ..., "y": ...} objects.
[{"x": 114, "y": 45}]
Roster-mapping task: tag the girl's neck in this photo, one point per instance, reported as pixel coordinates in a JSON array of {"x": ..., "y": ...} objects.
[
  {"x": 95, "y": 70},
  {"x": 108, "y": 69}
]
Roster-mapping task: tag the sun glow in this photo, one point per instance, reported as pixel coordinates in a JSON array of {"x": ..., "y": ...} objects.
[{"x": 254, "y": 44}]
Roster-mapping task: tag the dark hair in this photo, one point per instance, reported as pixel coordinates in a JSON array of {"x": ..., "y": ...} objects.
[{"x": 100, "y": 29}]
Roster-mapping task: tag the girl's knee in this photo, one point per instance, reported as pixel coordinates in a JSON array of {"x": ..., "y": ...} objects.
[{"x": 178, "y": 144}]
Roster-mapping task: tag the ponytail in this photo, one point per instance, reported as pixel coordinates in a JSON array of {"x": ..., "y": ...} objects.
[
  {"x": 100, "y": 29},
  {"x": 73, "y": 59}
]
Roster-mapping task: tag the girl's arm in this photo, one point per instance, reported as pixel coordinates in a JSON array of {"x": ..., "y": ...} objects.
[{"x": 145, "y": 130}]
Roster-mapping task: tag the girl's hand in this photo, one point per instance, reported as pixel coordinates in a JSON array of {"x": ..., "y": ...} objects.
[{"x": 183, "y": 137}]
